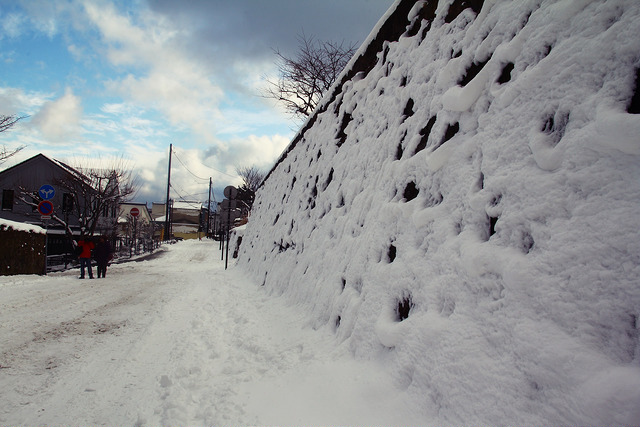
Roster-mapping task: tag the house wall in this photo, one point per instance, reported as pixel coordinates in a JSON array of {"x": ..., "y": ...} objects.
[
  {"x": 185, "y": 216},
  {"x": 143, "y": 217},
  {"x": 31, "y": 175}
]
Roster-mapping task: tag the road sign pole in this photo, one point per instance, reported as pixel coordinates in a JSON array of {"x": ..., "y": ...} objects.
[
  {"x": 46, "y": 246},
  {"x": 45, "y": 207}
]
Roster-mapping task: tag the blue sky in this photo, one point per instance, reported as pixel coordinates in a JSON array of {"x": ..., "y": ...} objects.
[{"x": 104, "y": 80}]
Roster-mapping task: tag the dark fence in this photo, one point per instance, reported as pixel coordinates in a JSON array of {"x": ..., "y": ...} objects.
[{"x": 21, "y": 252}]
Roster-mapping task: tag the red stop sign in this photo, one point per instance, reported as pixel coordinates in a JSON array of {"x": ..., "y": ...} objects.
[{"x": 134, "y": 212}]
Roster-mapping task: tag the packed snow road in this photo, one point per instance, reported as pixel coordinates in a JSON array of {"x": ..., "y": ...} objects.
[{"x": 177, "y": 340}]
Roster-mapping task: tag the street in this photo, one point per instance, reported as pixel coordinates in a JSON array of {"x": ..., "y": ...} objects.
[{"x": 176, "y": 340}]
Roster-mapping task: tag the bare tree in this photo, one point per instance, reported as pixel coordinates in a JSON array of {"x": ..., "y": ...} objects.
[
  {"x": 97, "y": 194},
  {"x": 305, "y": 78},
  {"x": 138, "y": 232},
  {"x": 5, "y": 154},
  {"x": 252, "y": 177},
  {"x": 6, "y": 123}
]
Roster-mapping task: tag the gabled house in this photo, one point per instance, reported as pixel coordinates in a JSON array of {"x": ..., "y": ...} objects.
[
  {"x": 135, "y": 226},
  {"x": 130, "y": 211},
  {"x": 72, "y": 193}
]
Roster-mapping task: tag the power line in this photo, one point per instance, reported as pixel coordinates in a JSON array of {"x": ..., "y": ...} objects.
[
  {"x": 194, "y": 196},
  {"x": 213, "y": 196},
  {"x": 188, "y": 170},
  {"x": 203, "y": 179},
  {"x": 185, "y": 200},
  {"x": 188, "y": 198}
]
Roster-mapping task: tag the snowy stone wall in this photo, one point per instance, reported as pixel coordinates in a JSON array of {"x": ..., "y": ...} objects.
[{"x": 465, "y": 204}]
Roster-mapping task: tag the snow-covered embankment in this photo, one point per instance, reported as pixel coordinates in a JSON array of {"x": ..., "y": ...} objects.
[{"x": 465, "y": 206}]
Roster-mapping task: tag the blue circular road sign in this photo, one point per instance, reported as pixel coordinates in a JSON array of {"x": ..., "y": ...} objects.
[{"x": 47, "y": 192}]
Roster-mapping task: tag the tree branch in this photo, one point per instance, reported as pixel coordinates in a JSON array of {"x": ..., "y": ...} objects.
[{"x": 304, "y": 79}]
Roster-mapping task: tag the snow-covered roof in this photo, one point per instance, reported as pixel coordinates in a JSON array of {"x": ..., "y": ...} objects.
[
  {"x": 21, "y": 226},
  {"x": 187, "y": 205}
]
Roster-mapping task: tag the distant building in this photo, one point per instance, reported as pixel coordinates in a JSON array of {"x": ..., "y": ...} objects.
[
  {"x": 140, "y": 213},
  {"x": 187, "y": 218},
  {"x": 230, "y": 214},
  {"x": 133, "y": 214},
  {"x": 136, "y": 229}
]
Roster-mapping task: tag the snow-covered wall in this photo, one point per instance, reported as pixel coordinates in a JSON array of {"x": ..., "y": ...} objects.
[{"x": 465, "y": 205}]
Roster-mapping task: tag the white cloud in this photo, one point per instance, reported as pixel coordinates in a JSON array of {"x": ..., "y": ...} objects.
[
  {"x": 171, "y": 83},
  {"x": 12, "y": 25},
  {"x": 59, "y": 120},
  {"x": 77, "y": 52},
  {"x": 51, "y": 17},
  {"x": 190, "y": 182},
  {"x": 261, "y": 151},
  {"x": 14, "y": 101},
  {"x": 117, "y": 109}
]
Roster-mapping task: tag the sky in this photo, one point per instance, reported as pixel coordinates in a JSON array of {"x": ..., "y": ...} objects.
[{"x": 101, "y": 81}]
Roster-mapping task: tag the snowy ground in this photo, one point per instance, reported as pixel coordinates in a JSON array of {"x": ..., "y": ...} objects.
[{"x": 178, "y": 341}]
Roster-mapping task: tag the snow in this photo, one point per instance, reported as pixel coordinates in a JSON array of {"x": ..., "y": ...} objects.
[
  {"x": 437, "y": 249},
  {"x": 503, "y": 216},
  {"x": 21, "y": 226},
  {"x": 177, "y": 340}
]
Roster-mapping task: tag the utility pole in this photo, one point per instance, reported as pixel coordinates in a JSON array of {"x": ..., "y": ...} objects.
[
  {"x": 230, "y": 193},
  {"x": 209, "y": 209},
  {"x": 167, "y": 224}
]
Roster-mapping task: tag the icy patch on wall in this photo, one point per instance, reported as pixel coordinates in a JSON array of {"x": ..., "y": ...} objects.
[{"x": 465, "y": 205}]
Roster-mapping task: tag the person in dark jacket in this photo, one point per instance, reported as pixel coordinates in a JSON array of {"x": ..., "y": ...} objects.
[
  {"x": 103, "y": 255},
  {"x": 86, "y": 245}
]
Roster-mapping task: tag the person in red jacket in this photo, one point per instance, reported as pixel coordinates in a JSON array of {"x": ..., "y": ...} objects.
[{"x": 85, "y": 256}]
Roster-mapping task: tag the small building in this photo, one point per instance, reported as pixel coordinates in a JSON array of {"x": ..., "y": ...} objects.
[
  {"x": 185, "y": 218},
  {"x": 23, "y": 180}
]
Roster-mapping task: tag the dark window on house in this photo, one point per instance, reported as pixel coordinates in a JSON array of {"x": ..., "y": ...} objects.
[
  {"x": 67, "y": 202},
  {"x": 7, "y": 200}
]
